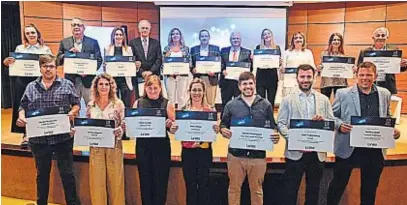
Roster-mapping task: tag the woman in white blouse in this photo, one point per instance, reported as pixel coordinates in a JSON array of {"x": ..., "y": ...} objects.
[
  {"x": 296, "y": 55},
  {"x": 33, "y": 43}
]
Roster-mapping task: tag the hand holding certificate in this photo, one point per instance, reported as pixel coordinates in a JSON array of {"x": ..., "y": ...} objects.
[
  {"x": 290, "y": 78},
  {"x": 266, "y": 58},
  {"x": 120, "y": 66},
  {"x": 176, "y": 66},
  {"x": 145, "y": 123},
  {"x": 47, "y": 121},
  {"x": 80, "y": 63},
  {"x": 25, "y": 65},
  {"x": 311, "y": 135},
  {"x": 208, "y": 64},
  {"x": 372, "y": 132},
  {"x": 94, "y": 133},
  {"x": 195, "y": 126},
  {"x": 337, "y": 67},
  {"x": 234, "y": 69}
]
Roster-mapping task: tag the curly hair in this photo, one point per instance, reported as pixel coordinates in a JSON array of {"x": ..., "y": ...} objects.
[{"x": 94, "y": 88}]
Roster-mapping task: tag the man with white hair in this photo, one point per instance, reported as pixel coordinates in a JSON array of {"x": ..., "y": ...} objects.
[{"x": 380, "y": 36}]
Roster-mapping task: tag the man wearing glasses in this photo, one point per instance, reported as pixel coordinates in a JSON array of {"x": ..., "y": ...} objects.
[{"x": 77, "y": 43}]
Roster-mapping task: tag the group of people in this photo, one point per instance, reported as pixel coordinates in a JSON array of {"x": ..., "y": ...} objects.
[{"x": 239, "y": 99}]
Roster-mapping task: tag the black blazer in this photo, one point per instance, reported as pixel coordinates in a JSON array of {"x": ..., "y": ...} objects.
[
  {"x": 244, "y": 56},
  {"x": 212, "y": 51},
  {"x": 267, "y": 77},
  {"x": 154, "y": 56},
  {"x": 89, "y": 45}
]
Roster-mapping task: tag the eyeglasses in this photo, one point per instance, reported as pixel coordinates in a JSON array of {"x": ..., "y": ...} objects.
[
  {"x": 381, "y": 35},
  {"x": 49, "y": 66},
  {"x": 31, "y": 32},
  {"x": 77, "y": 24}
]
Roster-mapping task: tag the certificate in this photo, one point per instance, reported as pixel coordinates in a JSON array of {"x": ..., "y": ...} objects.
[
  {"x": 94, "y": 133},
  {"x": 386, "y": 61},
  {"x": 145, "y": 123},
  {"x": 176, "y": 66},
  {"x": 250, "y": 134},
  {"x": 290, "y": 78},
  {"x": 80, "y": 63},
  {"x": 266, "y": 58},
  {"x": 372, "y": 132},
  {"x": 25, "y": 65},
  {"x": 310, "y": 135},
  {"x": 208, "y": 64},
  {"x": 337, "y": 67},
  {"x": 47, "y": 121},
  {"x": 234, "y": 69},
  {"x": 120, "y": 66},
  {"x": 195, "y": 126}
]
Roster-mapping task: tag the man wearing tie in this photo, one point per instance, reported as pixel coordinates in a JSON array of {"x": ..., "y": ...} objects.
[
  {"x": 210, "y": 79},
  {"x": 79, "y": 43},
  {"x": 147, "y": 52},
  {"x": 234, "y": 53}
]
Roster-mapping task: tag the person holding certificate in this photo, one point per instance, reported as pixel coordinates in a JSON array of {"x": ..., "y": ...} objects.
[
  {"x": 79, "y": 43},
  {"x": 106, "y": 169},
  {"x": 196, "y": 156},
  {"x": 242, "y": 162},
  {"x": 46, "y": 92},
  {"x": 177, "y": 84},
  {"x": 33, "y": 43},
  {"x": 367, "y": 100},
  {"x": 307, "y": 104},
  {"x": 210, "y": 79},
  {"x": 293, "y": 57},
  {"x": 154, "y": 154},
  {"x": 233, "y": 53},
  {"x": 380, "y": 37}
]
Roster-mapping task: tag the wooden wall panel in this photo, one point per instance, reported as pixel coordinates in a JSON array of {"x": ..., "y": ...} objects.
[
  {"x": 297, "y": 14},
  {"x": 397, "y": 31},
  {"x": 293, "y": 29},
  {"x": 360, "y": 33},
  {"x": 148, "y": 11},
  {"x": 316, "y": 52},
  {"x": 51, "y": 29},
  {"x": 86, "y": 12},
  {"x": 326, "y": 12},
  {"x": 119, "y": 14},
  {"x": 319, "y": 33},
  {"x": 353, "y": 51},
  {"x": 365, "y": 11},
  {"x": 155, "y": 31},
  {"x": 68, "y": 30},
  {"x": 397, "y": 11},
  {"x": 43, "y": 9},
  {"x": 404, "y": 48},
  {"x": 54, "y": 47}
]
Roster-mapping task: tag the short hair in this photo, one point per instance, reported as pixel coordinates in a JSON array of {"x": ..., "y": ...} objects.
[
  {"x": 151, "y": 80},
  {"x": 77, "y": 18},
  {"x": 235, "y": 33},
  {"x": 143, "y": 20},
  {"x": 381, "y": 29},
  {"x": 246, "y": 76},
  {"x": 367, "y": 64},
  {"x": 45, "y": 59},
  {"x": 203, "y": 30},
  {"x": 305, "y": 67}
]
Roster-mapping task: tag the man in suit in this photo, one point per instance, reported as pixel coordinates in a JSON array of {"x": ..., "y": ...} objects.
[
  {"x": 79, "y": 43},
  {"x": 380, "y": 36},
  {"x": 210, "y": 79},
  {"x": 304, "y": 103},
  {"x": 233, "y": 53},
  {"x": 363, "y": 99},
  {"x": 147, "y": 52}
]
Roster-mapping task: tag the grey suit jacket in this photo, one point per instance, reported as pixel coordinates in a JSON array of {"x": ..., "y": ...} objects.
[
  {"x": 290, "y": 109},
  {"x": 347, "y": 104}
]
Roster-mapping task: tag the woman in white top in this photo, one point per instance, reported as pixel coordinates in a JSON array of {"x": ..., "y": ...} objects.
[
  {"x": 296, "y": 55},
  {"x": 177, "y": 85},
  {"x": 33, "y": 43}
]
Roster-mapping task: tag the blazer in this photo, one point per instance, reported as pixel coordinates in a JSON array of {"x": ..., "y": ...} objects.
[
  {"x": 244, "y": 56},
  {"x": 347, "y": 104},
  {"x": 213, "y": 51},
  {"x": 154, "y": 58},
  {"x": 89, "y": 45},
  {"x": 109, "y": 51},
  {"x": 290, "y": 109}
]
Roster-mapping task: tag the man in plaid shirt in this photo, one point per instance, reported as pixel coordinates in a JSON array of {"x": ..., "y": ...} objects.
[{"x": 50, "y": 91}]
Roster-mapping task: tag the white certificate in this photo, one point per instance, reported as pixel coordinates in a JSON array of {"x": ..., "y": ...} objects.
[
  {"x": 195, "y": 126},
  {"x": 250, "y": 134},
  {"x": 47, "y": 121},
  {"x": 372, "y": 132},
  {"x": 145, "y": 123},
  {"x": 266, "y": 58},
  {"x": 234, "y": 69},
  {"x": 94, "y": 133},
  {"x": 25, "y": 65},
  {"x": 386, "y": 61},
  {"x": 208, "y": 64},
  {"x": 120, "y": 66},
  {"x": 176, "y": 66},
  {"x": 309, "y": 135},
  {"x": 80, "y": 63},
  {"x": 337, "y": 67},
  {"x": 290, "y": 78}
]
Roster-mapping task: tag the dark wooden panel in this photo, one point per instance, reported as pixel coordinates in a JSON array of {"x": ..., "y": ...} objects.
[
  {"x": 397, "y": 11},
  {"x": 360, "y": 33},
  {"x": 86, "y": 12},
  {"x": 297, "y": 14},
  {"x": 148, "y": 11},
  {"x": 54, "y": 47},
  {"x": 397, "y": 31},
  {"x": 353, "y": 51},
  {"x": 326, "y": 12},
  {"x": 319, "y": 33},
  {"x": 365, "y": 11},
  {"x": 51, "y": 29},
  {"x": 43, "y": 9},
  {"x": 124, "y": 14},
  {"x": 155, "y": 31},
  {"x": 68, "y": 29},
  {"x": 316, "y": 51}
]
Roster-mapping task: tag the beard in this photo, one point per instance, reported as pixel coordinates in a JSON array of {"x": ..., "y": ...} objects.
[{"x": 305, "y": 89}]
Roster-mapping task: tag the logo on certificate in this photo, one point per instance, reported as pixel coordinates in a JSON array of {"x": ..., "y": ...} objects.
[
  {"x": 158, "y": 113},
  {"x": 61, "y": 110},
  {"x": 395, "y": 53},
  {"x": 92, "y": 56},
  {"x": 388, "y": 122},
  {"x": 108, "y": 123},
  {"x": 349, "y": 60},
  {"x": 131, "y": 58},
  {"x": 211, "y": 116}
]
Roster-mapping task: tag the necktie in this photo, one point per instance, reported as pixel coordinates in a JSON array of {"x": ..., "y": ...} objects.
[
  {"x": 234, "y": 55},
  {"x": 145, "y": 47}
]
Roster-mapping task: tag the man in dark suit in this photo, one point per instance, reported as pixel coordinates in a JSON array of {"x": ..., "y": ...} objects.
[
  {"x": 79, "y": 43},
  {"x": 234, "y": 53},
  {"x": 210, "y": 79},
  {"x": 147, "y": 52}
]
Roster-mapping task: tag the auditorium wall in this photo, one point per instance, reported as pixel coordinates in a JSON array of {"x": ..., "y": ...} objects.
[{"x": 355, "y": 20}]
